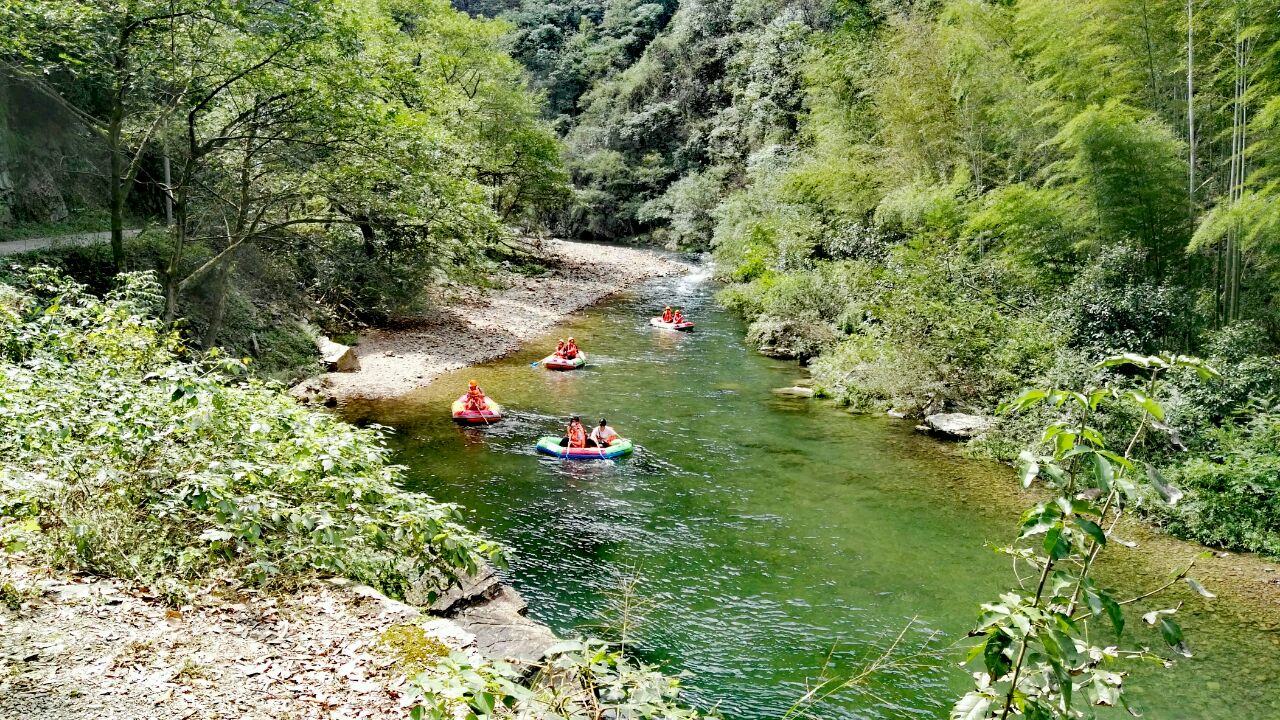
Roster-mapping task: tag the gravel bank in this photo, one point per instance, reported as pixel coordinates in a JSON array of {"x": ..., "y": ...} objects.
[
  {"x": 76, "y": 647},
  {"x": 477, "y": 325}
]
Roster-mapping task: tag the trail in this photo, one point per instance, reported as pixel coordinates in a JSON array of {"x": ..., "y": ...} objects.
[{"x": 17, "y": 247}]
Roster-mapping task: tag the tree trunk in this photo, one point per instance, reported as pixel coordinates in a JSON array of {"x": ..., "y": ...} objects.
[
  {"x": 117, "y": 192},
  {"x": 1191, "y": 115},
  {"x": 218, "y": 312}
]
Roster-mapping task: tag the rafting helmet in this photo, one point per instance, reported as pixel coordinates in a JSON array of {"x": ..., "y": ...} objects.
[
  {"x": 471, "y": 383},
  {"x": 603, "y": 422}
]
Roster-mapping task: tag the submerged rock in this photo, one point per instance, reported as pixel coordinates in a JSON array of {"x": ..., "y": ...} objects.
[
  {"x": 956, "y": 426},
  {"x": 795, "y": 391}
]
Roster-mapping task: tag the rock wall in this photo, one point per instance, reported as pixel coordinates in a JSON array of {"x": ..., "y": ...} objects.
[{"x": 51, "y": 166}]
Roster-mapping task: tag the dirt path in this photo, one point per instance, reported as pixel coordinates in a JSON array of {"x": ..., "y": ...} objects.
[
  {"x": 14, "y": 247},
  {"x": 475, "y": 326}
]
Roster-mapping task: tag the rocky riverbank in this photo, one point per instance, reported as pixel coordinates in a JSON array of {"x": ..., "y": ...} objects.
[
  {"x": 470, "y": 325},
  {"x": 80, "y": 648}
]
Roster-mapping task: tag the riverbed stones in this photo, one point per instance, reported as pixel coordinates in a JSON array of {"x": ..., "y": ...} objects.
[{"x": 956, "y": 426}]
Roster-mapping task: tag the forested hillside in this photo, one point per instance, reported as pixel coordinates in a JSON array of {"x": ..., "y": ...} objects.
[
  {"x": 941, "y": 203},
  {"x": 331, "y": 155}
]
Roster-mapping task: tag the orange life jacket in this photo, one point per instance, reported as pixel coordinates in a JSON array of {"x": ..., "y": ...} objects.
[
  {"x": 475, "y": 400},
  {"x": 577, "y": 436},
  {"x": 666, "y": 316},
  {"x": 571, "y": 350},
  {"x": 678, "y": 318}
]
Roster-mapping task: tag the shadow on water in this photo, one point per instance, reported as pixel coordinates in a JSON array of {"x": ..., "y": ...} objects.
[{"x": 774, "y": 535}]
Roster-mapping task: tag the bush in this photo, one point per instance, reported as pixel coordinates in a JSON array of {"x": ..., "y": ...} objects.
[
  {"x": 117, "y": 459},
  {"x": 1233, "y": 491}
]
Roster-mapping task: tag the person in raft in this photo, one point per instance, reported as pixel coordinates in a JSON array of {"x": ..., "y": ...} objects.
[
  {"x": 560, "y": 346},
  {"x": 571, "y": 349},
  {"x": 666, "y": 314},
  {"x": 677, "y": 318},
  {"x": 603, "y": 435},
  {"x": 576, "y": 435},
  {"x": 475, "y": 398}
]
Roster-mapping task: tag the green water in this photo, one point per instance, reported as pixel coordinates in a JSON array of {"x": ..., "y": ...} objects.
[{"x": 774, "y": 536}]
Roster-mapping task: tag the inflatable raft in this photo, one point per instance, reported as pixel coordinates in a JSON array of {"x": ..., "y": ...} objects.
[
  {"x": 492, "y": 412},
  {"x": 555, "y": 362},
  {"x": 551, "y": 446},
  {"x": 657, "y": 322}
]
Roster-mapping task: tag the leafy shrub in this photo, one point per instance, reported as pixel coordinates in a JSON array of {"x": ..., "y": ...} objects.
[
  {"x": 1250, "y": 383},
  {"x": 580, "y": 679},
  {"x": 1114, "y": 304},
  {"x": 913, "y": 208},
  {"x": 1233, "y": 490},
  {"x": 118, "y": 459}
]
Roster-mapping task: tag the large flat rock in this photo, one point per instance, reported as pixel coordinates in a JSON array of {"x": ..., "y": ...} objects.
[
  {"x": 495, "y": 614},
  {"x": 957, "y": 426}
]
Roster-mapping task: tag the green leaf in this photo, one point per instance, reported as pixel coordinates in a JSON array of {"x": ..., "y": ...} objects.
[
  {"x": 1141, "y": 361},
  {"x": 1055, "y": 544},
  {"x": 1027, "y": 399},
  {"x": 1028, "y": 468},
  {"x": 1196, "y": 586},
  {"x": 1170, "y": 630},
  {"x": 1091, "y": 529},
  {"x": 1067, "y": 643},
  {"x": 1094, "y": 600},
  {"x": 1114, "y": 612},
  {"x": 993, "y": 654},
  {"x": 1170, "y": 494},
  {"x": 1149, "y": 405},
  {"x": 1103, "y": 473},
  {"x": 973, "y": 706}
]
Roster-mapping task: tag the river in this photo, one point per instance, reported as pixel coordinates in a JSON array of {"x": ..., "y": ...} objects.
[{"x": 771, "y": 536}]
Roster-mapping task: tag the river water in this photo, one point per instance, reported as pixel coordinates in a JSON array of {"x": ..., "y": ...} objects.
[{"x": 770, "y": 537}]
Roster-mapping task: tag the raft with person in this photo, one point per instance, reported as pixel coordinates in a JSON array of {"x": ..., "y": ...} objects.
[
  {"x": 552, "y": 445},
  {"x": 491, "y": 413},
  {"x": 568, "y": 356},
  {"x": 671, "y": 320},
  {"x": 559, "y": 362},
  {"x": 682, "y": 325},
  {"x": 476, "y": 408},
  {"x": 604, "y": 443}
]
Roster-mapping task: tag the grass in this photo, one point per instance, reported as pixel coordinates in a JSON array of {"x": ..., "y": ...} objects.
[{"x": 413, "y": 650}]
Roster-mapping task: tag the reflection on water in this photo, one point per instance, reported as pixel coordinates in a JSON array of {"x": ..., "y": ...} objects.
[{"x": 775, "y": 535}]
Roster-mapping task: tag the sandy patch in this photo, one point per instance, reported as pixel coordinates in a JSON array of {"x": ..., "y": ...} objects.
[{"x": 477, "y": 326}]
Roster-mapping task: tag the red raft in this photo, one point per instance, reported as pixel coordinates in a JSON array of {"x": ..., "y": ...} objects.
[{"x": 492, "y": 412}]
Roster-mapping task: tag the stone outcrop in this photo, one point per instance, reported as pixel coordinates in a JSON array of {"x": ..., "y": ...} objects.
[
  {"x": 336, "y": 356},
  {"x": 956, "y": 426},
  {"x": 495, "y": 614}
]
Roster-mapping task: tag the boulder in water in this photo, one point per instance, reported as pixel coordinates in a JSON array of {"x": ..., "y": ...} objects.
[
  {"x": 796, "y": 391},
  {"x": 956, "y": 426}
]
